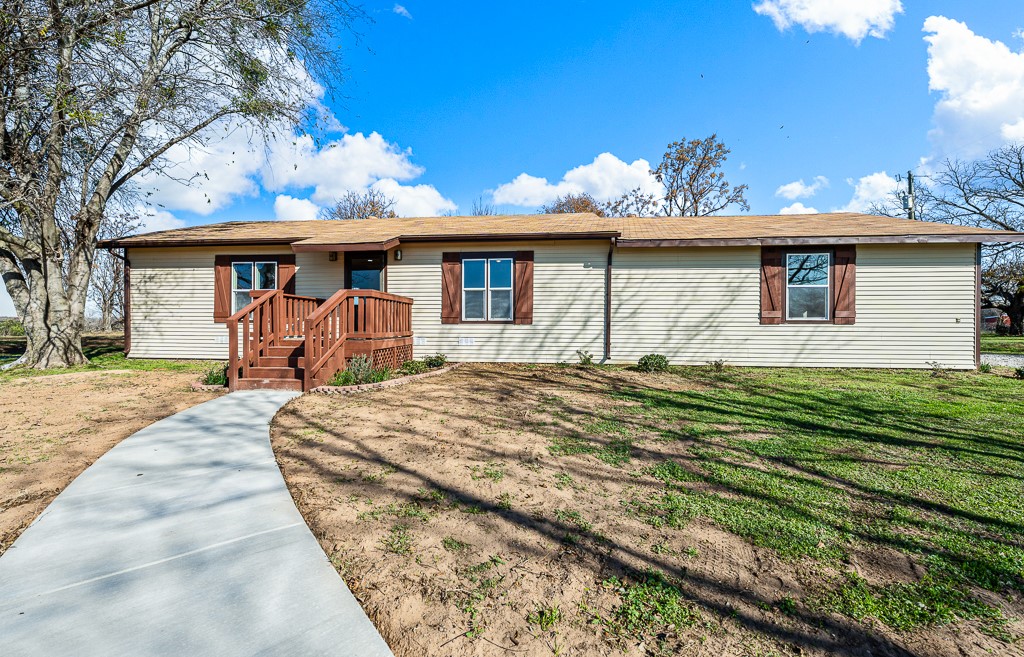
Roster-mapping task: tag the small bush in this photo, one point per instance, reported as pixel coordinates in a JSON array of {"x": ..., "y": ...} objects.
[
  {"x": 1019, "y": 372},
  {"x": 413, "y": 367},
  {"x": 11, "y": 327},
  {"x": 342, "y": 378},
  {"x": 586, "y": 359},
  {"x": 216, "y": 375},
  {"x": 652, "y": 363},
  {"x": 361, "y": 367},
  {"x": 716, "y": 366},
  {"x": 360, "y": 370},
  {"x": 985, "y": 368},
  {"x": 435, "y": 361}
]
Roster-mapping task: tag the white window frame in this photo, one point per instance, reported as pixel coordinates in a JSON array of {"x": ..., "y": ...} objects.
[
  {"x": 827, "y": 286},
  {"x": 252, "y": 270},
  {"x": 487, "y": 290}
]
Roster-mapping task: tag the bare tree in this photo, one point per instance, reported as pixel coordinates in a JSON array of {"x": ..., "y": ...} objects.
[
  {"x": 695, "y": 185},
  {"x": 987, "y": 193},
  {"x": 483, "y": 209},
  {"x": 371, "y": 204},
  {"x": 582, "y": 202},
  {"x": 1002, "y": 287},
  {"x": 634, "y": 203},
  {"x": 106, "y": 285},
  {"x": 95, "y": 92}
]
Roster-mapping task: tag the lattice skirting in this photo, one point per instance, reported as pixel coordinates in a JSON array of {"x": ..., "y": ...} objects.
[{"x": 392, "y": 357}]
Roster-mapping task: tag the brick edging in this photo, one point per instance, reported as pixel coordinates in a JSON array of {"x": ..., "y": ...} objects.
[{"x": 390, "y": 383}]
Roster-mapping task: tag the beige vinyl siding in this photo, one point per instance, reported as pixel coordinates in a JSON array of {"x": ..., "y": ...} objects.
[
  {"x": 172, "y": 297},
  {"x": 915, "y": 304},
  {"x": 568, "y": 309}
]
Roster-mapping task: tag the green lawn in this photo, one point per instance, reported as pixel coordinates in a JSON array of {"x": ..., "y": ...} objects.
[
  {"x": 816, "y": 464},
  {"x": 105, "y": 351},
  {"x": 995, "y": 344}
]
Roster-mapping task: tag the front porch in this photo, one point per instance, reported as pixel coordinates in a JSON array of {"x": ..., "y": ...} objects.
[{"x": 290, "y": 342}]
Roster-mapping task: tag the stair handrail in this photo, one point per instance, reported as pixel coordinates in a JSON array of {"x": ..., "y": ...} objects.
[
  {"x": 352, "y": 314},
  {"x": 258, "y": 333}
]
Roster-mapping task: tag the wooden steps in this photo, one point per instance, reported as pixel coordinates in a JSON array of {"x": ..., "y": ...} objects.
[{"x": 281, "y": 369}]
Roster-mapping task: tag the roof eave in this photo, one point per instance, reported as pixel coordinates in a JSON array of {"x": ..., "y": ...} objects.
[{"x": 810, "y": 241}]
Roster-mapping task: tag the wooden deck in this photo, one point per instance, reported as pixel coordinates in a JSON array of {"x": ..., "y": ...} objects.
[{"x": 289, "y": 342}]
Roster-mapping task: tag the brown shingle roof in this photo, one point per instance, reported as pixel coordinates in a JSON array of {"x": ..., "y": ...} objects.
[{"x": 629, "y": 231}]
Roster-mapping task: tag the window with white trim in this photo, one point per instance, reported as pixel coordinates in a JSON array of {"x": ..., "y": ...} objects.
[
  {"x": 487, "y": 289},
  {"x": 249, "y": 276},
  {"x": 807, "y": 286}
]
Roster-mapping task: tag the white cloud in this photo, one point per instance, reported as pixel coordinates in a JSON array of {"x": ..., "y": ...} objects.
[
  {"x": 353, "y": 162},
  {"x": 204, "y": 179},
  {"x": 798, "y": 208},
  {"x": 800, "y": 189},
  {"x": 415, "y": 200},
  {"x": 854, "y": 19},
  {"x": 289, "y": 208},
  {"x": 981, "y": 83},
  {"x": 605, "y": 178},
  {"x": 868, "y": 190},
  {"x": 153, "y": 219},
  {"x": 402, "y": 11}
]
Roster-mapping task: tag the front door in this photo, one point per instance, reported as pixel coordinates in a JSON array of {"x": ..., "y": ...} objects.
[{"x": 364, "y": 270}]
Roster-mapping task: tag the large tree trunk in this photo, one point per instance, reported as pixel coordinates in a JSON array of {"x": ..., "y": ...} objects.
[{"x": 53, "y": 315}]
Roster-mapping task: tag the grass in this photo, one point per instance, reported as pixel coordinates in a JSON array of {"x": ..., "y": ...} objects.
[
  {"x": 814, "y": 464},
  {"x": 651, "y": 605},
  {"x": 105, "y": 352},
  {"x": 998, "y": 344},
  {"x": 910, "y": 606}
]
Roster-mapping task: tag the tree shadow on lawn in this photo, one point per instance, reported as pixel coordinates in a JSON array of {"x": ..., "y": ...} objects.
[{"x": 747, "y": 407}]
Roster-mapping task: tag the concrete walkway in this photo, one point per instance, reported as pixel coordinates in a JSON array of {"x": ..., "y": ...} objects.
[{"x": 182, "y": 540}]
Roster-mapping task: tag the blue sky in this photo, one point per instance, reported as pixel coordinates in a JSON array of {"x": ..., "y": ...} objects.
[{"x": 821, "y": 101}]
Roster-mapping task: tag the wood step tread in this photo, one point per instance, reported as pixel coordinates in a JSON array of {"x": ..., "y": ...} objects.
[
  {"x": 268, "y": 384},
  {"x": 274, "y": 373}
]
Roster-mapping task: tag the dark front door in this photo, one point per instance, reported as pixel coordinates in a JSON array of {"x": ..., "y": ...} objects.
[{"x": 364, "y": 270}]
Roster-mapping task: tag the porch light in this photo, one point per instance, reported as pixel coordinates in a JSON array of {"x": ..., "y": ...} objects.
[{"x": 398, "y": 254}]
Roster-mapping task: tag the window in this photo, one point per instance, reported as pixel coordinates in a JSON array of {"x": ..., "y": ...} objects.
[
  {"x": 807, "y": 286},
  {"x": 487, "y": 289},
  {"x": 249, "y": 276}
]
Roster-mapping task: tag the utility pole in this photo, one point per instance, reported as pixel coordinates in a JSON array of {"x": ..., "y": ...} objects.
[{"x": 911, "y": 212}]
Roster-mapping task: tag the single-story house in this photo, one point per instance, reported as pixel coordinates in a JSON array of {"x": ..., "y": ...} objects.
[{"x": 287, "y": 303}]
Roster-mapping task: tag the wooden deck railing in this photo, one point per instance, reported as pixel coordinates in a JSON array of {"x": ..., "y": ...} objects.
[
  {"x": 262, "y": 324},
  {"x": 351, "y": 315}
]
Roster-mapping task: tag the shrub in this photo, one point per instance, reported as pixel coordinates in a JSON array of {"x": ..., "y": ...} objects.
[
  {"x": 717, "y": 366},
  {"x": 216, "y": 375},
  {"x": 413, "y": 367},
  {"x": 435, "y": 361},
  {"x": 361, "y": 367},
  {"x": 11, "y": 327},
  {"x": 652, "y": 363},
  {"x": 586, "y": 359},
  {"x": 1019, "y": 372},
  {"x": 985, "y": 368},
  {"x": 342, "y": 378}
]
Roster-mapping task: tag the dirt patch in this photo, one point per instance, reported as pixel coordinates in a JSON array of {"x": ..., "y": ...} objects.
[
  {"x": 53, "y": 427},
  {"x": 490, "y": 511}
]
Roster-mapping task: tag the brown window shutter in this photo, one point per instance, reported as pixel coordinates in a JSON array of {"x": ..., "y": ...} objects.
[
  {"x": 286, "y": 273},
  {"x": 221, "y": 288},
  {"x": 451, "y": 288},
  {"x": 772, "y": 283},
  {"x": 524, "y": 287},
  {"x": 844, "y": 276}
]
